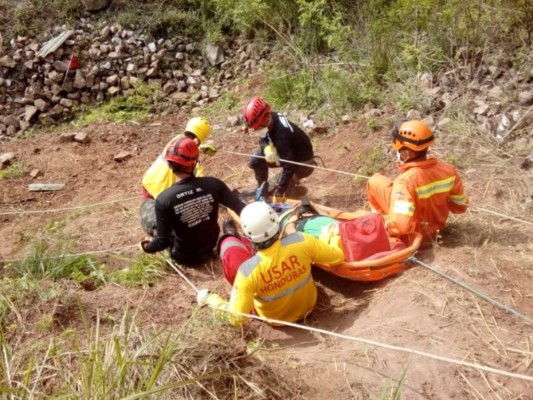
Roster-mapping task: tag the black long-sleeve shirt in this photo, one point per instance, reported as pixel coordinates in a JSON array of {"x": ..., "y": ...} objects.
[
  {"x": 189, "y": 208},
  {"x": 292, "y": 144}
]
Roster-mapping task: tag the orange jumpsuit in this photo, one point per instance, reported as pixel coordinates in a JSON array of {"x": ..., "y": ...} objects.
[{"x": 420, "y": 199}]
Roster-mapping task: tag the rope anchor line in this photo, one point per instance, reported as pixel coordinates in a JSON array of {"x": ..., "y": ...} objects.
[{"x": 361, "y": 340}]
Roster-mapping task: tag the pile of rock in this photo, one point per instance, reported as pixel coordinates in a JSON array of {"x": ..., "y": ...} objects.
[{"x": 42, "y": 82}]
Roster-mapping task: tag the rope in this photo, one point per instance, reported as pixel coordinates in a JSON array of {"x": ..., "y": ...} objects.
[
  {"x": 366, "y": 177},
  {"x": 296, "y": 163},
  {"x": 68, "y": 208},
  {"x": 362, "y": 340},
  {"x": 180, "y": 273},
  {"x": 77, "y": 254},
  {"x": 501, "y": 215},
  {"x": 474, "y": 291}
]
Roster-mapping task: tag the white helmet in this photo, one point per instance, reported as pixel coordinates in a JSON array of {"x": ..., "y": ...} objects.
[{"x": 259, "y": 222}]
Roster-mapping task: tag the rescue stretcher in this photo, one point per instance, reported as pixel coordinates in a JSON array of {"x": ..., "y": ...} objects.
[{"x": 375, "y": 266}]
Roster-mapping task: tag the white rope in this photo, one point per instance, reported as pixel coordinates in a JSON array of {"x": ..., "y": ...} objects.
[
  {"x": 68, "y": 208},
  {"x": 366, "y": 177},
  {"x": 386, "y": 346},
  {"x": 474, "y": 291},
  {"x": 77, "y": 254},
  {"x": 297, "y": 163},
  {"x": 501, "y": 215},
  {"x": 362, "y": 340}
]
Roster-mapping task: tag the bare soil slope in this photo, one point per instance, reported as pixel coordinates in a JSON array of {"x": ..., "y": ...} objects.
[{"x": 416, "y": 310}]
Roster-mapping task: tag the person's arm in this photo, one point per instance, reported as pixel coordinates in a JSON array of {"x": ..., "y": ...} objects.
[
  {"x": 323, "y": 253},
  {"x": 230, "y": 199},
  {"x": 401, "y": 219},
  {"x": 242, "y": 297},
  {"x": 163, "y": 238},
  {"x": 458, "y": 202}
]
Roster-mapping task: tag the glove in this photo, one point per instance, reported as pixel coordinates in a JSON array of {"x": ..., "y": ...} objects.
[
  {"x": 208, "y": 149},
  {"x": 278, "y": 198},
  {"x": 143, "y": 243},
  {"x": 202, "y": 297}
]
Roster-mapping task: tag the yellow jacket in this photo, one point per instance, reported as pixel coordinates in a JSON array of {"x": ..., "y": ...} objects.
[
  {"x": 159, "y": 177},
  {"x": 277, "y": 281}
]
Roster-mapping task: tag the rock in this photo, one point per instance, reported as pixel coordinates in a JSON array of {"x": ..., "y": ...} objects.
[
  {"x": 29, "y": 112},
  {"x": 67, "y": 137},
  {"x": 233, "y": 120},
  {"x": 497, "y": 94},
  {"x": 525, "y": 98},
  {"x": 346, "y": 119},
  {"x": 95, "y": 5},
  {"x": 82, "y": 137},
  {"x": 413, "y": 114},
  {"x": 214, "y": 55},
  {"x": 35, "y": 173},
  {"x": 79, "y": 80},
  {"x": 11, "y": 120},
  {"x": 122, "y": 156},
  {"x": 503, "y": 127},
  {"x": 6, "y": 159},
  {"x": 7, "y": 61}
]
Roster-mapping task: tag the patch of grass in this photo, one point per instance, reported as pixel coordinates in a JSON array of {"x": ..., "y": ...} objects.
[
  {"x": 373, "y": 124},
  {"x": 144, "y": 272},
  {"x": 47, "y": 261},
  {"x": 394, "y": 391},
  {"x": 133, "y": 363},
  {"x": 225, "y": 103},
  {"x": 16, "y": 170},
  {"x": 134, "y": 107},
  {"x": 371, "y": 161}
]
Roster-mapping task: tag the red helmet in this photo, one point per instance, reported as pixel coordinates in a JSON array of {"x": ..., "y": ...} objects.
[
  {"x": 255, "y": 112},
  {"x": 183, "y": 153}
]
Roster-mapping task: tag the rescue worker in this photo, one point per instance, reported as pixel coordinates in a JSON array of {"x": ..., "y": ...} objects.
[
  {"x": 160, "y": 177},
  {"x": 276, "y": 282},
  {"x": 187, "y": 212},
  {"x": 424, "y": 194},
  {"x": 283, "y": 140}
]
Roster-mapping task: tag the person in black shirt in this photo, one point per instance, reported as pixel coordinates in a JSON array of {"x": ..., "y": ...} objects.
[
  {"x": 187, "y": 212},
  {"x": 283, "y": 140}
]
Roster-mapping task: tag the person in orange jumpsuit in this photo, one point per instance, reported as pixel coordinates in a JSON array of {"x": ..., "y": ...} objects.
[{"x": 424, "y": 194}]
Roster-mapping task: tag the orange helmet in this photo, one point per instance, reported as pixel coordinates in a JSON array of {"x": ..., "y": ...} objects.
[
  {"x": 413, "y": 134},
  {"x": 183, "y": 153},
  {"x": 255, "y": 112}
]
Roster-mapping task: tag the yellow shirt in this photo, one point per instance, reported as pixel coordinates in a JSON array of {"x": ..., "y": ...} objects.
[
  {"x": 277, "y": 281},
  {"x": 159, "y": 177}
]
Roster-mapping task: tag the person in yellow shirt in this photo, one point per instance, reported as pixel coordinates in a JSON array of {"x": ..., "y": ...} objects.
[
  {"x": 422, "y": 196},
  {"x": 276, "y": 281},
  {"x": 159, "y": 177}
]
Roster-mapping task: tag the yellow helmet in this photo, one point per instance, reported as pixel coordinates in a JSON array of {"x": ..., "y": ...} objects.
[{"x": 199, "y": 127}]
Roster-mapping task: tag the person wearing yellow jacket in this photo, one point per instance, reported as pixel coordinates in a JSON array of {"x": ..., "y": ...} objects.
[
  {"x": 159, "y": 176},
  {"x": 276, "y": 282},
  {"x": 424, "y": 194}
]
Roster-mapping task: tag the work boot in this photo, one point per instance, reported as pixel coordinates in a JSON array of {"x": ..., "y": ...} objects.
[{"x": 229, "y": 227}]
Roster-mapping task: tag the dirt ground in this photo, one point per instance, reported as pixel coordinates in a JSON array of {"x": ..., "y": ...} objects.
[{"x": 417, "y": 310}]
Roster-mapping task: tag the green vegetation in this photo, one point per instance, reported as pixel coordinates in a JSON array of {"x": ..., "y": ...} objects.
[
  {"x": 136, "y": 106},
  {"x": 143, "y": 271},
  {"x": 193, "y": 361},
  {"x": 371, "y": 160},
  {"x": 15, "y": 170}
]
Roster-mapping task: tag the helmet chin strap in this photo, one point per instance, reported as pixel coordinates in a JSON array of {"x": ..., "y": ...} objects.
[{"x": 399, "y": 157}]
